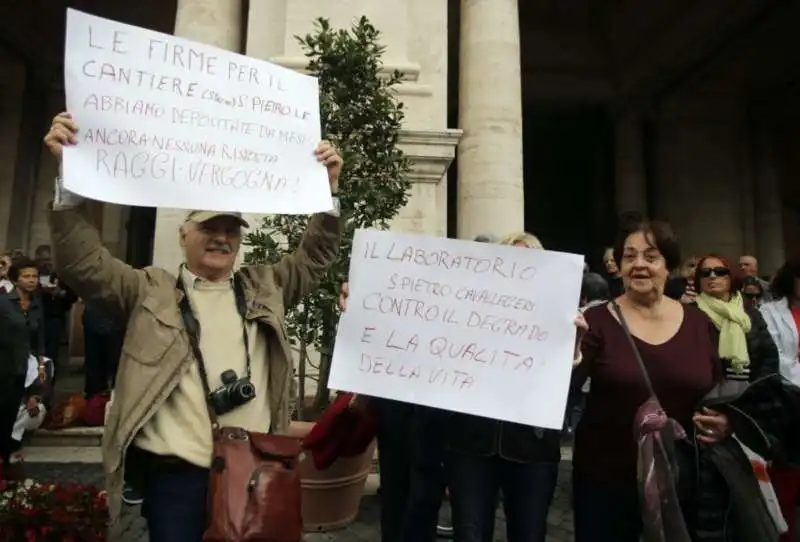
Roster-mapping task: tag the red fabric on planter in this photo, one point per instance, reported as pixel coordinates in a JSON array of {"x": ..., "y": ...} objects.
[{"x": 341, "y": 431}]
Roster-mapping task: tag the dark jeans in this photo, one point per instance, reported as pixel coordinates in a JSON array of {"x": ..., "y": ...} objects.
[
  {"x": 174, "y": 505},
  {"x": 604, "y": 513},
  {"x": 102, "y": 357},
  {"x": 475, "y": 483},
  {"x": 12, "y": 390},
  {"x": 411, "y": 452},
  {"x": 53, "y": 331}
]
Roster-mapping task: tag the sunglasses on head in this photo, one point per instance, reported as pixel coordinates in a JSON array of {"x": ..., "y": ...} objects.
[{"x": 715, "y": 272}]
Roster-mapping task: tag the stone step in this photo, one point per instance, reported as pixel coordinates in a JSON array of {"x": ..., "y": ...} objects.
[
  {"x": 59, "y": 455},
  {"x": 71, "y": 437}
]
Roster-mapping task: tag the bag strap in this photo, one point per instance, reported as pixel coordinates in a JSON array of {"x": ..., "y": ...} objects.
[{"x": 635, "y": 348}]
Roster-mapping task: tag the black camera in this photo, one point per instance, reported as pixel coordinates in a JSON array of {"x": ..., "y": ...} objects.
[{"x": 233, "y": 393}]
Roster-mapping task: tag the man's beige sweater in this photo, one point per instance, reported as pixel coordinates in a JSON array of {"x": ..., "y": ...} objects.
[{"x": 181, "y": 427}]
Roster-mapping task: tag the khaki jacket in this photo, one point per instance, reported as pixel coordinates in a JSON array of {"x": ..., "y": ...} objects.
[{"x": 156, "y": 349}]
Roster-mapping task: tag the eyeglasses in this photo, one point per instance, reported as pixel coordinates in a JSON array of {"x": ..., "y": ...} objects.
[{"x": 715, "y": 272}]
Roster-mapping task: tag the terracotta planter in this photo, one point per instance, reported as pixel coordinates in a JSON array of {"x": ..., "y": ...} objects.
[{"x": 331, "y": 497}]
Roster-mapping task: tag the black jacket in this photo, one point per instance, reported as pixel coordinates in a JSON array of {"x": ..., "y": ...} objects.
[
  {"x": 761, "y": 348},
  {"x": 98, "y": 321},
  {"x": 765, "y": 416},
  {"x": 57, "y": 307},
  {"x": 485, "y": 437},
  {"x": 21, "y": 334}
]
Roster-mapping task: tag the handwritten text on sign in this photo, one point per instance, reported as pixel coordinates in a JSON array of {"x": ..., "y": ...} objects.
[
  {"x": 167, "y": 122},
  {"x": 470, "y": 327}
]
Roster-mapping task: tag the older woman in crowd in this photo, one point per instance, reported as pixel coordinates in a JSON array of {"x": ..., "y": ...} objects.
[
  {"x": 782, "y": 316},
  {"x": 653, "y": 455},
  {"x": 746, "y": 348},
  {"x": 680, "y": 357},
  {"x": 655, "y": 370}
]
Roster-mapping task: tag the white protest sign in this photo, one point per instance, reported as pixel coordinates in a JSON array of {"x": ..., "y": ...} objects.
[
  {"x": 167, "y": 122},
  {"x": 470, "y": 327}
]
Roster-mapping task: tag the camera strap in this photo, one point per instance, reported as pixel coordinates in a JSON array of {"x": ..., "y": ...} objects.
[{"x": 193, "y": 331}]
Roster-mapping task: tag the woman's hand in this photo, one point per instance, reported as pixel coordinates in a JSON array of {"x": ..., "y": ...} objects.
[
  {"x": 582, "y": 327},
  {"x": 360, "y": 403},
  {"x": 344, "y": 291},
  {"x": 42, "y": 369},
  {"x": 581, "y": 324},
  {"x": 711, "y": 425},
  {"x": 32, "y": 406}
]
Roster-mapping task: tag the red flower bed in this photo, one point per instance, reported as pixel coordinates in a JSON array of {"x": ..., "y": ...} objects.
[{"x": 32, "y": 511}]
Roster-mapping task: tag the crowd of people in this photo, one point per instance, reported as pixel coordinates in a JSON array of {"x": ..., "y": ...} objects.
[
  {"x": 682, "y": 371},
  {"x": 674, "y": 377},
  {"x": 35, "y": 308}
]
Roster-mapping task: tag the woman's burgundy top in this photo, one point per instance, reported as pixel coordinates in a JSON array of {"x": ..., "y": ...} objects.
[{"x": 683, "y": 370}]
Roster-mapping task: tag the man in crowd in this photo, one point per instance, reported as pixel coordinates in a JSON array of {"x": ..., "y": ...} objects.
[
  {"x": 158, "y": 426},
  {"x": 748, "y": 265},
  {"x": 6, "y": 286}
]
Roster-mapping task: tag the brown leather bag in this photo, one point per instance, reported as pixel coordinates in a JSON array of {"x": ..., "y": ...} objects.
[
  {"x": 70, "y": 412},
  {"x": 254, "y": 487},
  {"x": 254, "y": 491}
]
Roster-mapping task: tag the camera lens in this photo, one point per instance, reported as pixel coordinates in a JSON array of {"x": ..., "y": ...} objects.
[{"x": 248, "y": 390}]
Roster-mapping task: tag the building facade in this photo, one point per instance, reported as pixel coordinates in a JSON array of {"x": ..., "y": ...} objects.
[{"x": 559, "y": 114}]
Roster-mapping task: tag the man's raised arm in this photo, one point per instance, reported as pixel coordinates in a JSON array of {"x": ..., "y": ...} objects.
[
  {"x": 81, "y": 260},
  {"x": 300, "y": 272}
]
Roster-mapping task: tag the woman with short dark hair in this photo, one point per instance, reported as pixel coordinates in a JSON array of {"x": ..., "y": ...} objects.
[
  {"x": 680, "y": 358},
  {"x": 21, "y": 335}
]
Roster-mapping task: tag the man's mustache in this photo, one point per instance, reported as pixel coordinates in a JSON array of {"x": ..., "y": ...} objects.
[{"x": 222, "y": 247}]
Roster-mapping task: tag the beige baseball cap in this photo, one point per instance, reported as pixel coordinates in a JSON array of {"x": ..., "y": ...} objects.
[{"x": 205, "y": 216}]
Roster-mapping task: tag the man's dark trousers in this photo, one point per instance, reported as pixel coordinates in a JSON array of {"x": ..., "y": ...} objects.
[{"x": 174, "y": 496}]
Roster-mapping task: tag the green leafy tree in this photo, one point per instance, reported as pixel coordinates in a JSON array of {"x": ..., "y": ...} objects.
[{"x": 361, "y": 115}]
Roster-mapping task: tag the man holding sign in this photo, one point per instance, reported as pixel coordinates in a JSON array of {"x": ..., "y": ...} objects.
[{"x": 159, "y": 425}]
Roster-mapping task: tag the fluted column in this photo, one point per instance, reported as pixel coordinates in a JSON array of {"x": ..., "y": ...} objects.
[
  {"x": 490, "y": 180},
  {"x": 217, "y": 23},
  {"x": 630, "y": 187}
]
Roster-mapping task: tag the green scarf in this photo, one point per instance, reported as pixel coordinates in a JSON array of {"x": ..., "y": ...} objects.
[{"x": 733, "y": 324}]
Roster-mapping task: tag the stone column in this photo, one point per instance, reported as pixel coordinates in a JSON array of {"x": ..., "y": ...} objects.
[
  {"x": 630, "y": 186},
  {"x": 217, "y": 23},
  {"x": 767, "y": 202},
  {"x": 490, "y": 180}
]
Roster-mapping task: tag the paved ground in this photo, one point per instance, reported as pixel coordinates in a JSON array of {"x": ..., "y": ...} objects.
[{"x": 365, "y": 528}]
